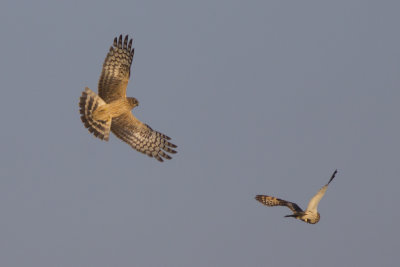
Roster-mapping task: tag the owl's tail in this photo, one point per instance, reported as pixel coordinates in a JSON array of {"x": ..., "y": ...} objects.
[{"x": 88, "y": 103}]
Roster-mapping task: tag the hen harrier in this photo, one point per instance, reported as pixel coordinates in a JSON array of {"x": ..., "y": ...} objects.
[
  {"x": 311, "y": 215},
  {"x": 111, "y": 109}
]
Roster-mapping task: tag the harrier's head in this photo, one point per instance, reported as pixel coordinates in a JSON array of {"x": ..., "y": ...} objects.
[{"x": 133, "y": 102}]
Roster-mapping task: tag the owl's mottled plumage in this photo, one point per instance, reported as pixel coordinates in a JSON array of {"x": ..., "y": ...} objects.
[
  {"x": 111, "y": 109},
  {"x": 310, "y": 215}
]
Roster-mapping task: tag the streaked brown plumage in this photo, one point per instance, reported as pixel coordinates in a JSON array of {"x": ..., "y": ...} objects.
[
  {"x": 310, "y": 215},
  {"x": 111, "y": 109}
]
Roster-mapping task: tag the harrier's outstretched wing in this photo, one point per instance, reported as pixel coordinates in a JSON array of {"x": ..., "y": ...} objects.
[
  {"x": 313, "y": 204},
  {"x": 141, "y": 137},
  {"x": 116, "y": 70},
  {"x": 273, "y": 201}
]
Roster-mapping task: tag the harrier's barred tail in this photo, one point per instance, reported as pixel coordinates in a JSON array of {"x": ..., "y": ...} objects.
[{"x": 88, "y": 103}]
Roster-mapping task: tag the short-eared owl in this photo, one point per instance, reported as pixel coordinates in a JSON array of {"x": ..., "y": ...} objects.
[{"x": 310, "y": 215}]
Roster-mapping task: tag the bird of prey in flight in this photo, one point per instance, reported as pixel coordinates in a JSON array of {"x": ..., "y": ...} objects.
[
  {"x": 310, "y": 215},
  {"x": 111, "y": 109}
]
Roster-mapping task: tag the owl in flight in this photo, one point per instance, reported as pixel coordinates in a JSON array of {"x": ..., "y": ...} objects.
[
  {"x": 310, "y": 215},
  {"x": 111, "y": 109}
]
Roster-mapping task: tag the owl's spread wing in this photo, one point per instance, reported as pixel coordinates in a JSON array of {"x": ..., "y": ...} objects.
[
  {"x": 116, "y": 70},
  {"x": 313, "y": 204},
  {"x": 141, "y": 137},
  {"x": 273, "y": 201}
]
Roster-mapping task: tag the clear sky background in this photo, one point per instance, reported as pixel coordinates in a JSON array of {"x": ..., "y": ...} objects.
[{"x": 261, "y": 97}]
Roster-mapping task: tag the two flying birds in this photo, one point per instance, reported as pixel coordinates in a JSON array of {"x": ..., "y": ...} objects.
[{"x": 110, "y": 110}]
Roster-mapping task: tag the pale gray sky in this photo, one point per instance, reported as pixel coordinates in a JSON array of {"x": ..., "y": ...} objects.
[{"x": 262, "y": 97}]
